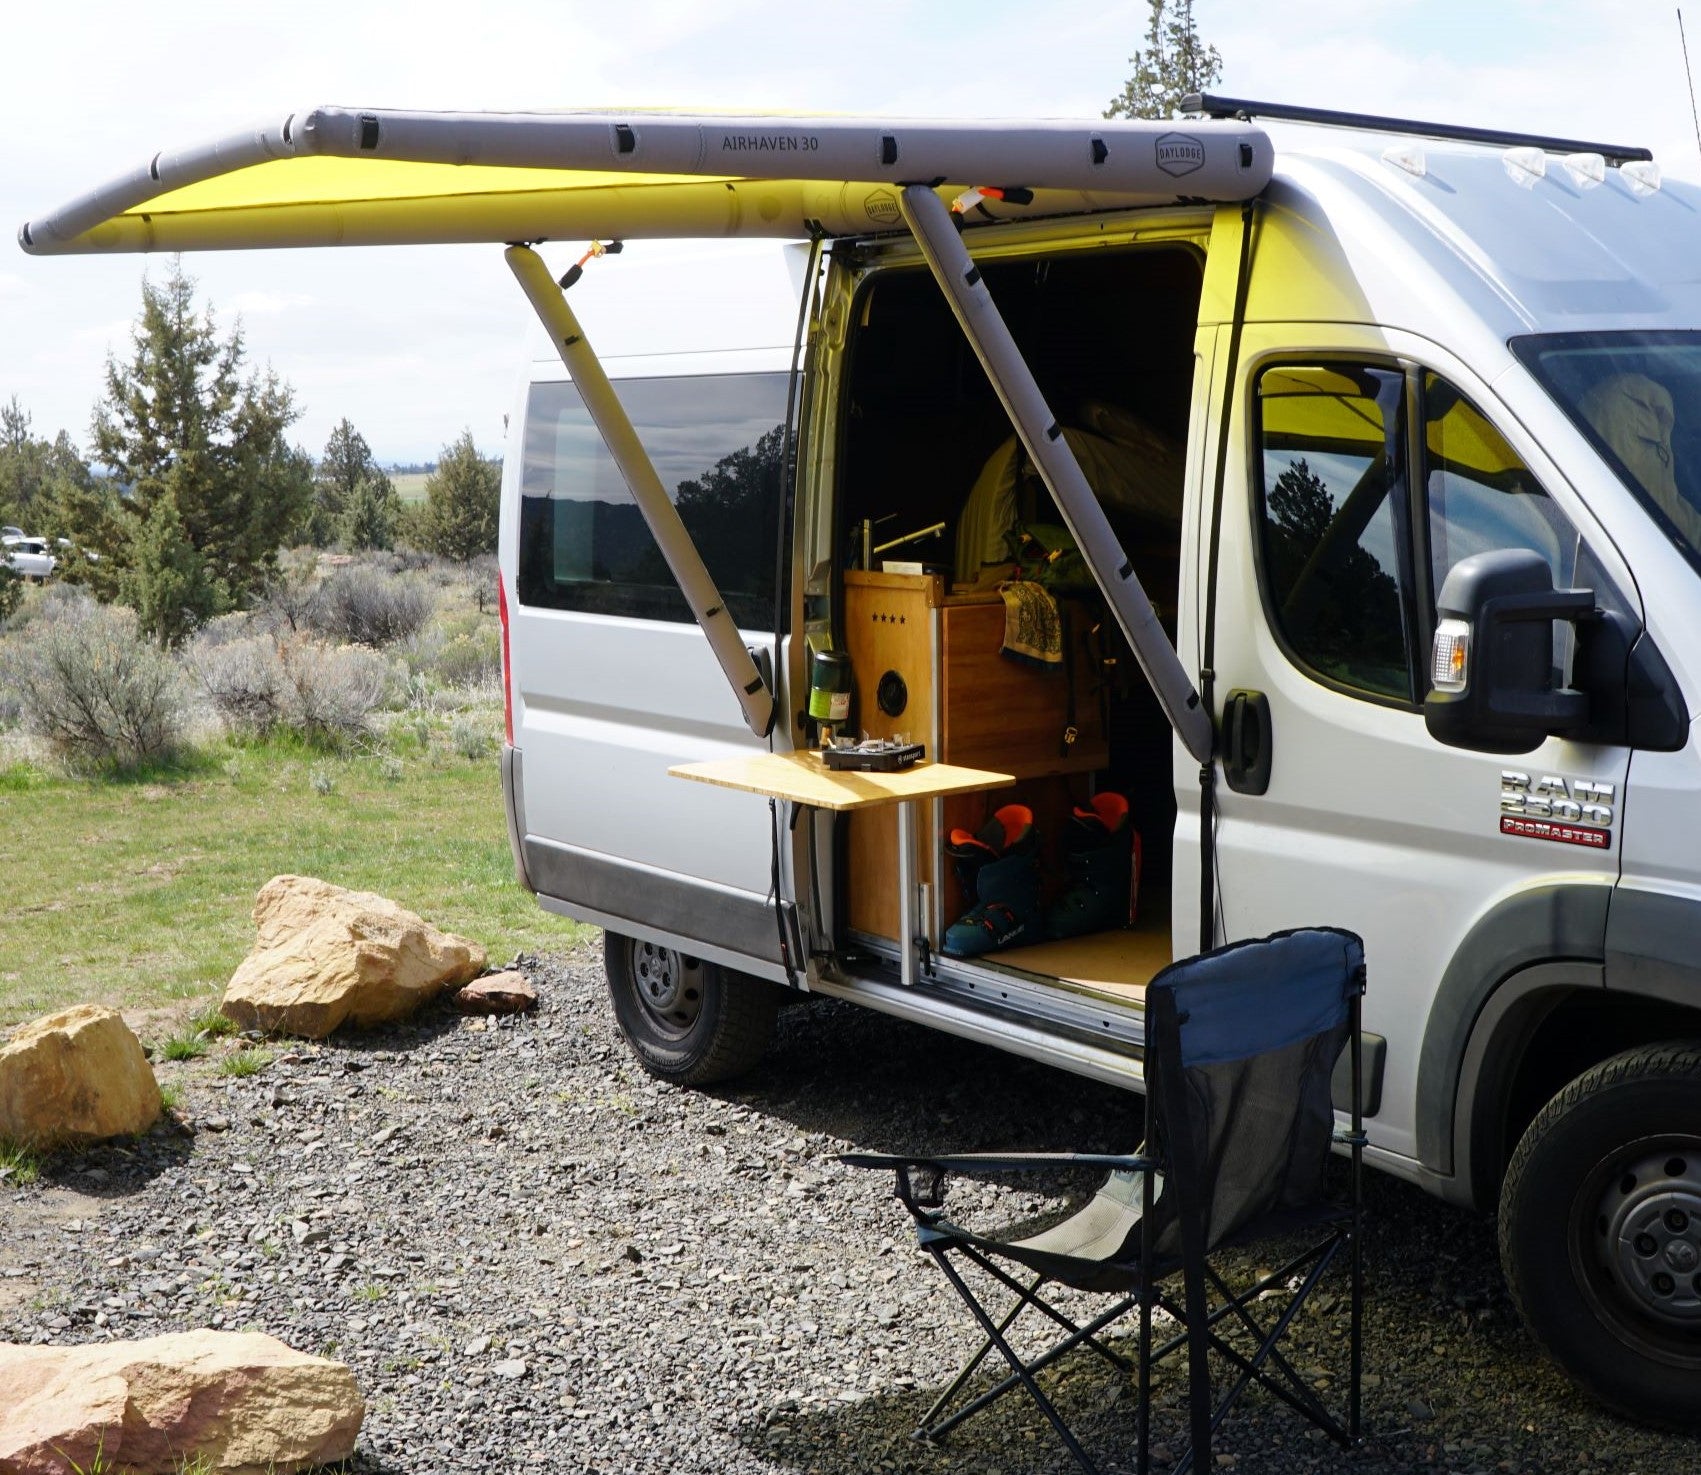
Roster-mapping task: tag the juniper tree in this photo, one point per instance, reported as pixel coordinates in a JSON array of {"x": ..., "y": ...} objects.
[
  {"x": 346, "y": 468},
  {"x": 192, "y": 442},
  {"x": 461, "y": 499},
  {"x": 1174, "y": 63},
  {"x": 34, "y": 471}
]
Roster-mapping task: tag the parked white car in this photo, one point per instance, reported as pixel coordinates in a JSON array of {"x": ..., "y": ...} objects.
[{"x": 29, "y": 556}]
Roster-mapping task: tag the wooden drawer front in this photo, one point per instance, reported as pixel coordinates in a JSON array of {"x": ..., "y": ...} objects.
[{"x": 1003, "y": 715}]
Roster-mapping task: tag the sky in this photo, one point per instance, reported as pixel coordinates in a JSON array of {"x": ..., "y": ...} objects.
[{"x": 413, "y": 345}]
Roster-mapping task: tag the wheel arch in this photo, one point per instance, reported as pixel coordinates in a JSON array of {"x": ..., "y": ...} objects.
[{"x": 1539, "y": 1025}]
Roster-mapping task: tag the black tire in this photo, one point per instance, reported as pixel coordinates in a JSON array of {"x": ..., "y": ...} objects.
[
  {"x": 688, "y": 1021},
  {"x": 1600, "y": 1232}
]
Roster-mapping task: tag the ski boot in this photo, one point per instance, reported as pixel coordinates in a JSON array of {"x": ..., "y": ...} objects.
[
  {"x": 1102, "y": 856},
  {"x": 999, "y": 869}
]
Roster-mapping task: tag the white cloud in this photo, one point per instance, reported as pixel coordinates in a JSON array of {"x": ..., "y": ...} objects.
[{"x": 248, "y": 305}]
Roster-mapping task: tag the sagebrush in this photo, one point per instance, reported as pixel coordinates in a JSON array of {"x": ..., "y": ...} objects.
[
  {"x": 87, "y": 683},
  {"x": 364, "y": 606},
  {"x": 265, "y": 682}
]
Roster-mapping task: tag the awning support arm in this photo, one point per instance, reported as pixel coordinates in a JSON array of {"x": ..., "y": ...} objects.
[
  {"x": 984, "y": 327},
  {"x": 659, "y": 513}
]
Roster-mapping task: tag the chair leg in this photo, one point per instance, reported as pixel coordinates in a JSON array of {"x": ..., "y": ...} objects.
[
  {"x": 974, "y": 1362},
  {"x": 1078, "y": 1336},
  {"x": 1017, "y": 1366},
  {"x": 1039, "y": 1302},
  {"x": 1290, "y": 1388}
]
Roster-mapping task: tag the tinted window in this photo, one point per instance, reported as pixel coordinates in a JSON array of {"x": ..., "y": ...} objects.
[
  {"x": 1334, "y": 523},
  {"x": 717, "y": 443},
  {"x": 1637, "y": 397},
  {"x": 1481, "y": 496}
]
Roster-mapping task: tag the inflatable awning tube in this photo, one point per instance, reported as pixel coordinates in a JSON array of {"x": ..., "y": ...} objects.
[{"x": 341, "y": 176}]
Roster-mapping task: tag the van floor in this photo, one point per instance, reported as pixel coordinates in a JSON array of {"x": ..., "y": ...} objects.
[{"x": 1118, "y": 964}]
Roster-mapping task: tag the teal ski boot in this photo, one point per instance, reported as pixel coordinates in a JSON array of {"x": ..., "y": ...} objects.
[
  {"x": 999, "y": 869},
  {"x": 1102, "y": 855}
]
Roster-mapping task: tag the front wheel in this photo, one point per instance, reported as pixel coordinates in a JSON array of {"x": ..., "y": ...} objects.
[
  {"x": 1600, "y": 1232},
  {"x": 688, "y": 1021}
]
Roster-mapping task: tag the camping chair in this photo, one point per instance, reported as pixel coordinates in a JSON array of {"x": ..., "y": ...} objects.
[{"x": 1241, "y": 1047}]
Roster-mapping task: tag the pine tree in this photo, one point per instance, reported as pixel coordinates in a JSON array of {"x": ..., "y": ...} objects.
[
  {"x": 346, "y": 463},
  {"x": 179, "y": 422},
  {"x": 461, "y": 500},
  {"x": 370, "y": 514},
  {"x": 167, "y": 582},
  {"x": 1174, "y": 63},
  {"x": 34, "y": 472}
]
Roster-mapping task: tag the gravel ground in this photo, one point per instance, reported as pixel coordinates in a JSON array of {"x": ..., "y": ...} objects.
[{"x": 532, "y": 1253}]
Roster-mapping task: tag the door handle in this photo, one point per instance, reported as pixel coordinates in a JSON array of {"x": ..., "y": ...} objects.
[{"x": 1246, "y": 742}]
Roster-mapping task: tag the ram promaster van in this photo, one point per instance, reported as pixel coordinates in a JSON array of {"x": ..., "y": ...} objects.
[{"x": 1296, "y": 539}]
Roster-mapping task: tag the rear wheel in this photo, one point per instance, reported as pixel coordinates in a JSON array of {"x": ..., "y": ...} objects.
[
  {"x": 688, "y": 1021},
  {"x": 1600, "y": 1231}
]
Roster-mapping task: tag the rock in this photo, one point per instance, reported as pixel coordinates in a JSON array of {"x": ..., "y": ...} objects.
[
  {"x": 75, "y": 1077},
  {"x": 497, "y": 993},
  {"x": 244, "y": 1403},
  {"x": 326, "y": 957}
]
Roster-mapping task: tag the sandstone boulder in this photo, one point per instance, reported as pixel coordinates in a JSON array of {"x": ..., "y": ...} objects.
[
  {"x": 326, "y": 957},
  {"x": 498, "y": 993},
  {"x": 75, "y": 1077},
  {"x": 239, "y": 1401}
]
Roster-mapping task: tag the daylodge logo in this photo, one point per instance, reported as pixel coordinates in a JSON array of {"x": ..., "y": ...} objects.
[
  {"x": 882, "y": 207},
  {"x": 1179, "y": 153}
]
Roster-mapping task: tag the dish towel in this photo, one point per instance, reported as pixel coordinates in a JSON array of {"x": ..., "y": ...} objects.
[{"x": 1033, "y": 629}]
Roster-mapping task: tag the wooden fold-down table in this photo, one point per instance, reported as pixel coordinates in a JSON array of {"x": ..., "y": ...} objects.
[{"x": 802, "y": 778}]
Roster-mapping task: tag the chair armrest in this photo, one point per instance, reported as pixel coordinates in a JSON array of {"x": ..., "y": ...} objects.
[{"x": 1002, "y": 1162}]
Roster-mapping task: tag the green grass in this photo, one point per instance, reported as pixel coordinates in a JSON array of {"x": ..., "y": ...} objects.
[
  {"x": 170, "y": 1096},
  {"x": 139, "y": 893},
  {"x": 183, "y": 1047},
  {"x": 24, "y": 1165},
  {"x": 212, "y": 1022},
  {"x": 410, "y": 485},
  {"x": 244, "y": 1062}
]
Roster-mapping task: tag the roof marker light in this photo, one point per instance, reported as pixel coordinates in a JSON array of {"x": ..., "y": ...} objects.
[
  {"x": 1586, "y": 170},
  {"x": 1407, "y": 156},
  {"x": 1643, "y": 175},
  {"x": 1524, "y": 166}
]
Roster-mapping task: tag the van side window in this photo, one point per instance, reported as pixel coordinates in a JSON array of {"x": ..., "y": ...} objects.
[
  {"x": 717, "y": 442},
  {"x": 1334, "y": 523},
  {"x": 1481, "y": 496}
]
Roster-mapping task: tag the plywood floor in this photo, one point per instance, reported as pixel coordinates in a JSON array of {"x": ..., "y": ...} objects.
[{"x": 1119, "y": 963}]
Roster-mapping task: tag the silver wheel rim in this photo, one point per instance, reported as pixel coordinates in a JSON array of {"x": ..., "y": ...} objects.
[
  {"x": 1649, "y": 1224},
  {"x": 669, "y": 988}
]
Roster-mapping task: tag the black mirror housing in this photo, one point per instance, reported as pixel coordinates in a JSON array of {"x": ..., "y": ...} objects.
[{"x": 1507, "y": 700}]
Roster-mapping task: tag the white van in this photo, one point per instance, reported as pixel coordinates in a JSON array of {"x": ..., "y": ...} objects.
[{"x": 1381, "y": 616}]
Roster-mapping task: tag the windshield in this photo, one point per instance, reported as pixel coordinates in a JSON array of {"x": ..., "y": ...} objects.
[{"x": 1637, "y": 396}]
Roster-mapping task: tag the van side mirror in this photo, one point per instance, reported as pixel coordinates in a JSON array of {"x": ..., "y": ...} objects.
[{"x": 1492, "y": 672}]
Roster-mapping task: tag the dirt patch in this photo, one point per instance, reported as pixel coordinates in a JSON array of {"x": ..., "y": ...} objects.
[{"x": 38, "y": 1224}]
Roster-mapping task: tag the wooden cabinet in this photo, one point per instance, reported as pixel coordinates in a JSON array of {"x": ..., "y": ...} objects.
[{"x": 969, "y": 705}]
